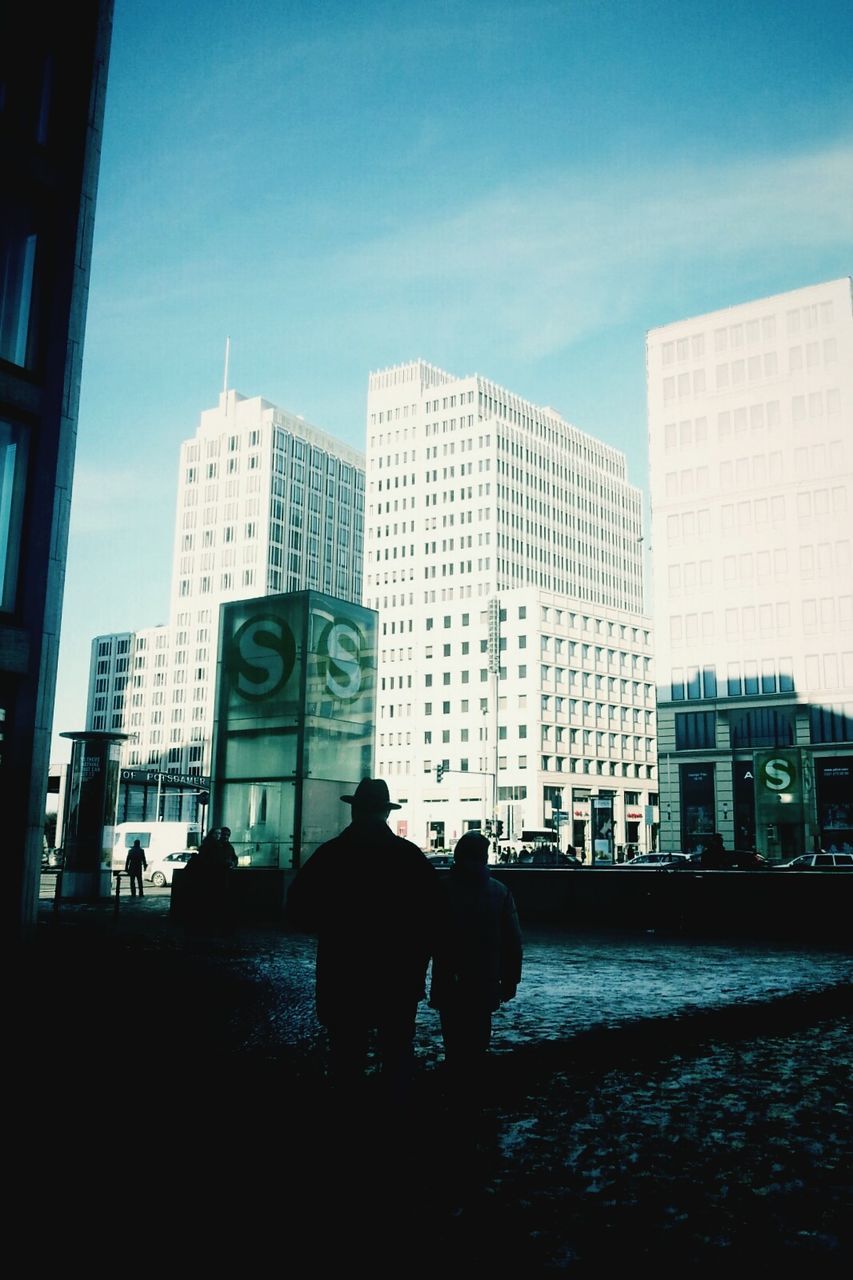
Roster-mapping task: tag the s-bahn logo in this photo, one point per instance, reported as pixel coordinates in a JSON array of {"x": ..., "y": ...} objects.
[
  {"x": 339, "y": 654},
  {"x": 261, "y": 657},
  {"x": 779, "y": 774}
]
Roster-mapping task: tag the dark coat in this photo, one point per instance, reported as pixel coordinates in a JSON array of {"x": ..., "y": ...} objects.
[
  {"x": 371, "y": 898},
  {"x": 210, "y": 857},
  {"x": 477, "y": 959},
  {"x": 136, "y": 862}
]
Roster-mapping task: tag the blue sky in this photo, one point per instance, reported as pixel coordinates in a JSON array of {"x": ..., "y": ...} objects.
[{"x": 518, "y": 190}]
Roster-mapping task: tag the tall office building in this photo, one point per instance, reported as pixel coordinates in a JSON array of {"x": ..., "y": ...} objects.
[
  {"x": 503, "y": 554},
  {"x": 53, "y": 76},
  {"x": 751, "y": 450},
  {"x": 266, "y": 503}
]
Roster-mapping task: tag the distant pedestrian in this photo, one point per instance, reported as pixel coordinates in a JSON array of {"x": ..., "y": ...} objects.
[
  {"x": 477, "y": 960},
  {"x": 134, "y": 865},
  {"x": 371, "y": 898}
]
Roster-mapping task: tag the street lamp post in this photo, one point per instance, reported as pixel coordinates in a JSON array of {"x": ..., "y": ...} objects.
[{"x": 494, "y": 666}]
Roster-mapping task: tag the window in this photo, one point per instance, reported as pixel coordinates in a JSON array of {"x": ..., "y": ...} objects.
[
  {"x": 831, "y": 723},
  {"x": 695, "y": 730},
  {"x": 14, "y": 442},
  {"x": 17, "y": 277},
  {"x": 762, "y": 727}
]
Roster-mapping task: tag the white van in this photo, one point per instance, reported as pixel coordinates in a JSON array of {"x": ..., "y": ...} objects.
[{"x": 157, "y": 839}]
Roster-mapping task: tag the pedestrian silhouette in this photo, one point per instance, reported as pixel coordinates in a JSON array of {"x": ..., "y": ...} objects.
[
  {"x": 134, "y": 865},
  {"x": 371, "y": 899},
  {"x": 207, "y": 897},
  {"x": 476, "y": 962},
  {"x": 228, "y": 852}
]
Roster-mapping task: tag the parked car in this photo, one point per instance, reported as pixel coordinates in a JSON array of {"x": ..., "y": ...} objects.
[
  {"x": 547, "y": 858},
  {"x": 725, "y": 860},
  {"x": 159, "y": 872},
  {"x": 655, "y": 860},
  {"x": 440, "y": 859},
  {"x": 819, "y": 862}
]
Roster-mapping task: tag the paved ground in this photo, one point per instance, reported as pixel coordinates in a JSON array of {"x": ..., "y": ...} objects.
[{"x": 650, "y": 1100}]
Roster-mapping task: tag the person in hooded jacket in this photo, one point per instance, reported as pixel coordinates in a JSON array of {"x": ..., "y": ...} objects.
[{"x": 477, "y": 959}]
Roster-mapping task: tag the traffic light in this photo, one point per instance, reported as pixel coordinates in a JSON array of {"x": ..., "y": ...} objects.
[
  {"x": 439, "y": 772},
  {"x": 499, "y": 828}
]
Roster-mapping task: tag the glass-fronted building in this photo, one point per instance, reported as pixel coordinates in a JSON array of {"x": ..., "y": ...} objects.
[{"x": 294, "y": 724}]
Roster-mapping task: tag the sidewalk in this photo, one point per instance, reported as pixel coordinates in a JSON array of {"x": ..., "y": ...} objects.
[{"x": 649, "y": 1100}]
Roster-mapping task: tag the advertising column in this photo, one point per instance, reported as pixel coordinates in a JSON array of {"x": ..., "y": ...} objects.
[
  {"x": 602, "y": 827},
  {"x": 835, "y": 803},
  {"x": 580, "y": 821},
  {"x": 634, "y": 815},
  {"x": 92, "y": 791},
  {"x": 697, "y": 805}
]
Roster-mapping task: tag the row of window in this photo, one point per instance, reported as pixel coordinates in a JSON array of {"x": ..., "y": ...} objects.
[
  {"x": 826, "y": 614},
  {"x": 548, "y": 764},
  {"x": 599, "y": 713},
  {"x": 739, "y": 473},
  {"x": 818, "y": 504},
  {"x": 736, "y": 373},
  {"x": 763, "y": 727},
  {"x": 773, "y": 675},
  {"x": 821, "y": 560},
  {"x": 829, "y": 671},
  {"x": 753, "y": 418}
]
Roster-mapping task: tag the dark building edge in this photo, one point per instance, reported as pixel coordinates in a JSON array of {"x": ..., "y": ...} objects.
[{"x": 60, "y": 180}]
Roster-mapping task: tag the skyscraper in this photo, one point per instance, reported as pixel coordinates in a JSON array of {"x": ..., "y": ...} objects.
[
  {"x": 751, "y": 452},
  {"x": 503, "y": 553},
  {"x": 266, "y": 503}
]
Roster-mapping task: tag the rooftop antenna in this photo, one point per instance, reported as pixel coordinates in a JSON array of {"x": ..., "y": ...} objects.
[{"x": 227, "y": 358}]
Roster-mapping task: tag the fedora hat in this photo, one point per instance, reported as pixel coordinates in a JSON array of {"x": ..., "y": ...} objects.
[{"x": 372, "y": 793}]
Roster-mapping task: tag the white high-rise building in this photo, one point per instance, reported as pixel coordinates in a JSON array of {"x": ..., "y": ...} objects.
[
  {"x": 751, "y": 452},
  {"x": 266, "y": 503},
  {"x": 503, "y": 552}
]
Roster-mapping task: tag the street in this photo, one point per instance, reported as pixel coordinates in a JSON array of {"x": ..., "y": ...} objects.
[{"x": 47, "y": 888}]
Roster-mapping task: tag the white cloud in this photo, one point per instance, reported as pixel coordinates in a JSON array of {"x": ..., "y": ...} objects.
[{"x": 544, "y": 265}]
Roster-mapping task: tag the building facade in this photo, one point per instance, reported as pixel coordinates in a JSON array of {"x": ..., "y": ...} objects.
[
  {"x": 266, "y": 503},
  {"x": 503, "y": 554},
  {"x": 750, "y": 413},
  {"x": 53, "y": 76}
]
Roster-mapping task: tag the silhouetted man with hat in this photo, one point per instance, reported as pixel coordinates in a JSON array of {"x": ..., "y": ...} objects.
[{"x": 371, "y": 897}]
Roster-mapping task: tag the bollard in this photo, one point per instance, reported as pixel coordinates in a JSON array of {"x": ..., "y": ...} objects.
[{"x": 118, "y": 875}]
